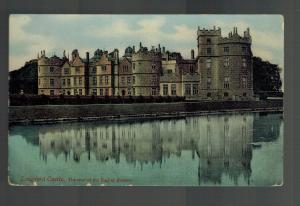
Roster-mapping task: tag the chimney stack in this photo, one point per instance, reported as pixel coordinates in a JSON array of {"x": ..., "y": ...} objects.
[{"x": 192, "y": 54}]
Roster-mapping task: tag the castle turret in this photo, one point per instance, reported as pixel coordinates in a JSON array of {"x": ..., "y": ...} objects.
[
  {"x": 49, "y": 71},
  {"x": 146, "y": 69}
]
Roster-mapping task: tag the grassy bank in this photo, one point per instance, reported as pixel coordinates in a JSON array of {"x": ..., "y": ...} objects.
[{"x": 57, "y": 113}]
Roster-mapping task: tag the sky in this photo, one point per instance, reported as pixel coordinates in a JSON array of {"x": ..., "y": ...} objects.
[{"x": 29, "y": 34}]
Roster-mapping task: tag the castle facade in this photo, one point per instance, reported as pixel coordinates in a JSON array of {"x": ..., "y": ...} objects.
[{"x": 221, "y": 70}]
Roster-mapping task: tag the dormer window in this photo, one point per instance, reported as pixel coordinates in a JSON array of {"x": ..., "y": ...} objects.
[
  {"x": 66, "y": 70},
  {"x": 103, "y": 67}
]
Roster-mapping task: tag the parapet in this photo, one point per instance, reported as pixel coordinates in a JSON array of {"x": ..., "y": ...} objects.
[{"x": 209, "y": 32}]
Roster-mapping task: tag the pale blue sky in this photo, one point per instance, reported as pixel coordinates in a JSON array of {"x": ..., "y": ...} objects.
[{"x": 30, "y": 34}]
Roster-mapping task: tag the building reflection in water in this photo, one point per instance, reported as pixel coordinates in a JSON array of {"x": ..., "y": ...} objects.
[{"x": 222, "y": 144}]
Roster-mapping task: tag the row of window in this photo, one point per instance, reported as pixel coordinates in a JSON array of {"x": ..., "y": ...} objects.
[
  {"x": 153, "y": 66},
  {"x": 227, "y": 81},
  {"x": 166, "y": 89},
  {"x": 102, "y": 79},
  {"x": 103, "y": 68},
  {"x": 209, "y": 50},
  {"x": 226, "y": 62},
  {"x": 102, "y": 92}
]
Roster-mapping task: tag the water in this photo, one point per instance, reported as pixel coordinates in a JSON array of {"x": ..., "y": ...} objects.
[{"x": 214, "y": 150}]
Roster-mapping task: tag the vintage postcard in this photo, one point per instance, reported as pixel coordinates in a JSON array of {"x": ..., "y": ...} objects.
[{"x": 155, "y": 100}]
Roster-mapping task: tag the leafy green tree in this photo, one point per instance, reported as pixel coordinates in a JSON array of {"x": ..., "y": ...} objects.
[{"x": 266, "y": 76}]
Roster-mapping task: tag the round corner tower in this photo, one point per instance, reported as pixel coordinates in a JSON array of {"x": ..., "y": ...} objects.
[{"x": 146, "y": 69}]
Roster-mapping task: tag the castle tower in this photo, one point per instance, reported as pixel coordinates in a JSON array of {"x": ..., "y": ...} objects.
[
  {"x": 225, "y": 65},
  {"x": 146, "y": 69},
  {"x": 208, "y": 52},
  {"x": 49, "y": 72}
]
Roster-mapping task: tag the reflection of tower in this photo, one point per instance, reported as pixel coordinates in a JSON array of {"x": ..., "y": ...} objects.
[{"x": 226, "y": 149}]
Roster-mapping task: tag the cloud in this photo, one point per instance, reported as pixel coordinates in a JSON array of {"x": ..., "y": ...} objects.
[{"x": 30, "y": 43}]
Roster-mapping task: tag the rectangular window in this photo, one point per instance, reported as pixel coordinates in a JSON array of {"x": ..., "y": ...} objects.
[
  {"x": 94, "y": 91},
  {"x": 165, "y": 89},
  {"x": 128, "y": 80},
  {"x": 208, "y": 51},
  {"x": 187, "y": 89},
  {"x": 173, "y": 89},
  {"x": 94, "y": 80},
  {"x": 106, "y": 92},
  {"x": 94, "y": 70},
  {"x": 226, "y": 82},
  {"x": 195, "y": 89},
  {"x": 244, "y": 82},
  {"x": 69, "y": 82},
  {"x": 75, "y": 80},
  {"x": 129, "y": 92},
  {"x": 226, "y": 50},
  {"x": 103, "y": 67},
  {"x": 51, "y": 82},
  {"x": 153, "y": 91},
  {"x": 80, "y": 80},
  {"x": 63, "y": 91},
  {"x": 106, "y": 79},
  {"x": 51, "y": 69},
  {"x": 208, "y": 63},
  {"x": 63, "y": 82},
  {"x": 169, "y": 71},
  {"x": 122, "y": 80},
  {"x": 133, "y": 65},
  {"x": 208, "y": 40},
  {"x": 52, "y": 92},
  {"x": 226, "y": 62},
  {"x": 154, "y": 79},
  {"x": 80, "y": 91},
  {"x": 75, "y": 92},
  {"x": 244, "y": 62},
  {"x": 244, "y": 49},
  {"x": 77, "y": 69},
  {"x": 208, "y": 82},
  {"x": 66, "y": 70},
  {"x": 133, "y": 79},
  {"x": 192, "y": 71},
  {"x": 133, "y": 91},
  {"x": 101, "y": 92},
  {"x": 101, "y": 79}
]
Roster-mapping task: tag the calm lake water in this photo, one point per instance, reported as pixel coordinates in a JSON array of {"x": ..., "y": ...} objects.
[{"x": 212, "y": 150}]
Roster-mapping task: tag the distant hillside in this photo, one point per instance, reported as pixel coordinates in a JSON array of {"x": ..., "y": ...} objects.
[{"x": 24, "y": 79}]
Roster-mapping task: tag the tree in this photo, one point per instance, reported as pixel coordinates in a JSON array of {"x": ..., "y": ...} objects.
[
  {"x": 24, "y": 79},
  {"x": 266, "y": 76}
]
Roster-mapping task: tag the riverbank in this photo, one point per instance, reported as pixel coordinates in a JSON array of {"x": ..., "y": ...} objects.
[{"x": 43, "y": 114}]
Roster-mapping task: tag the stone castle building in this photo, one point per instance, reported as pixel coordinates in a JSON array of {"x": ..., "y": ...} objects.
[{"x": 221, "y": 70}]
